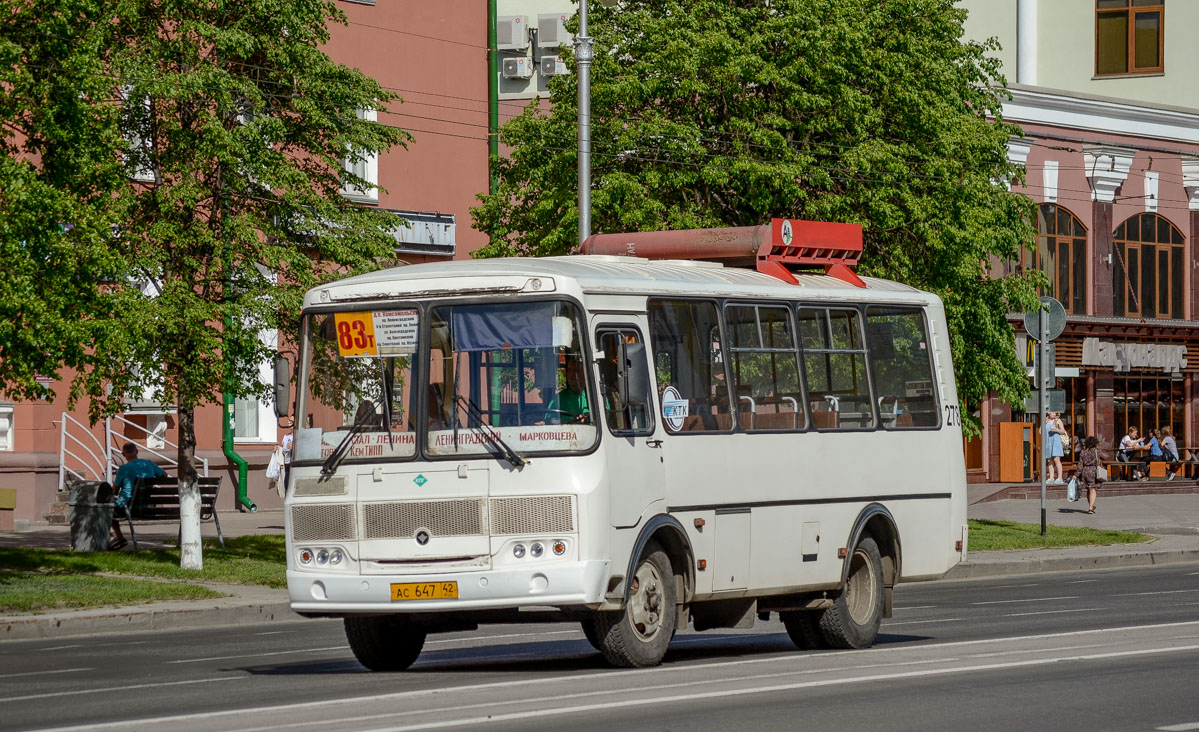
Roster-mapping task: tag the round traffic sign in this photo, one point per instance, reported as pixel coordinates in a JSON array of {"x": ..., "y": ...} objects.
[{"x": 1054, "y": 315}]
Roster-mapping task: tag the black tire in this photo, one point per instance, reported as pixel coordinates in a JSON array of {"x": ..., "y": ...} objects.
[
  {"x": 804, "y": 628},
  {"x": 639, "y": 635},
  {"x": 857, "y": 613},
  {"x": 384, "y": 642}
]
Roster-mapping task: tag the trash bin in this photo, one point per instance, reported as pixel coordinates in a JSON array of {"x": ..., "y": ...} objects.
[{"x": 91, "y": 515}]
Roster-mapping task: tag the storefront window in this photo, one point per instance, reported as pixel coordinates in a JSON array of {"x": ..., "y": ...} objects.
[
  {"x": 1148, "y": 402},
  {"x": 1148, "y": 268}
]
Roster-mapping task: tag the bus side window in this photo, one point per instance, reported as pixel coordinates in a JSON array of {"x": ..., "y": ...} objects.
[
  {"x": 835, "y": 374},
  {"x": 765, "y": 368},
  {"x": 625, "y": 391},
  {"x": 686, "y": 338},
  {"x": 901, "y": 362}
]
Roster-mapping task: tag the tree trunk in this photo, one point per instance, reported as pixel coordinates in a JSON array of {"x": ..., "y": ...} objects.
[{"x": 191, "y": 554}]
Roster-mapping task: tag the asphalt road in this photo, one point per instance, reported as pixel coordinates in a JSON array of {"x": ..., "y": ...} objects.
[{"x": 1098, "y": 650}]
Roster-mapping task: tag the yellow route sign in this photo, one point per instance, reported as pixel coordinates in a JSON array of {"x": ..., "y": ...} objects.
[{"x": 355, "y": 334}]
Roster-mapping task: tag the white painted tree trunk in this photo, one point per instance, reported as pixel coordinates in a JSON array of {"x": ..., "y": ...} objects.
[{"x": 191, "y": 553}]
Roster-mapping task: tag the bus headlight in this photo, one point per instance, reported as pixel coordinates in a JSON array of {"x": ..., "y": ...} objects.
[
  {"x": 335, "y": 557},
  {"x": 322, "y": 556},
  {"x": 537, "y": 549},
  {"x": 518, "y": 551}
]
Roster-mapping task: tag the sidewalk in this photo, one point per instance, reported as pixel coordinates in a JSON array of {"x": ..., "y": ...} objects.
[{"x": 1172, "y": 519}]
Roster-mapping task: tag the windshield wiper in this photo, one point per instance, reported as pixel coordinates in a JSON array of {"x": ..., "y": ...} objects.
[
  {"x": 502, "y": 449},
  {"x": 362, "y": 418}
]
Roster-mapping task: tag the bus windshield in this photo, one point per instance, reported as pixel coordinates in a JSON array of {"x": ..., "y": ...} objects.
[
  {"x": 356, "y": 400},
  {"x": 514, "y": 371},
  {"x": 508, "y": 375}
]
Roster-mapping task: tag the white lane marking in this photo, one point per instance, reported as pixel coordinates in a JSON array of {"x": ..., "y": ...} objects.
[
  {"x": 1031, "y": 650},
  {"x": 111, "y": 689},
  {"x": 920, "y": 622},
  {"x": 275, "y": 632},
  {"x": 1004, "y": 587},
  {"x": 261, "y": 655},
  {"x": 1180, "y": 727},
  {"x": 1031, "y": 599},
  {"x": 624, "y": 703},
  {"x": 1159, "y": 592},
  {"x": 578, "y": 633},
  {"x": 416, "y": 693},
  {"x": 916, "y": 607},
  {"x": 94, "y": 645},
  {"x": 1080, "y": 582},
  {"x": 62, "y": 648},
  {"x": 39, "y": 673},
  {"x": 585, "y": 694},
  {"x": 1054, "y": 612}
]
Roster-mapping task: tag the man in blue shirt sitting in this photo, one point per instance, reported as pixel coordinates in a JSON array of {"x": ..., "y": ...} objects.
[{"x": 127, "y": 475}]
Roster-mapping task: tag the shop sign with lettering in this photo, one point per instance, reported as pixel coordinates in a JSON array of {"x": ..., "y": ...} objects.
[{"x": 1122, "y": 357}]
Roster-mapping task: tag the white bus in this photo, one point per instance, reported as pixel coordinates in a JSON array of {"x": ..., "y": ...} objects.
[{"x": 633, "y": 445}]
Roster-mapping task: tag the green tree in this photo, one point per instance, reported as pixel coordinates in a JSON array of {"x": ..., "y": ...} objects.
[
  {"x": 709, "y": 113},
  {"x": 231, "y": 124}
]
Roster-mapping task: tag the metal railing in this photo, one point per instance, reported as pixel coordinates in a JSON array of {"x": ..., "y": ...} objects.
[{"x": 99, "y": 463}]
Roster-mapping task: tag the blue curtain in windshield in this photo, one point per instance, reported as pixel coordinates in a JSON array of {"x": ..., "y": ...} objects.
[{"x": 490, "y": 328}]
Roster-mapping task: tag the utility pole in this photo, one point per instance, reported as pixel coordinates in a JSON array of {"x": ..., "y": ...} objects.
[{"x": 584, "y": 52}]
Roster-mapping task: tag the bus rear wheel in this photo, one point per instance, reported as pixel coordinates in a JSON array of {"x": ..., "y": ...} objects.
[
  {"x": 854, "y": 619},
  {"x": 639, "y": 635},
  {"x": 384, "y": 642}
]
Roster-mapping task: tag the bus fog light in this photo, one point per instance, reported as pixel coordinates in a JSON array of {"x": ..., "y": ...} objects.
[
  {"x": 537, "y": 549},
  {"x": 335, "y": 556},
  {"x": 518, "y": 551},
  {"x": 322, "y": 556},
  {"x": 558, "y": 547},
  {"x": 305, "y": 556}
]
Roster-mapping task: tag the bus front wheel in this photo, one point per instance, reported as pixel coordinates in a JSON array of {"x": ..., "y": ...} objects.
[
  {"x": 639, "y": 635},
  {"x": 384, "y": 642},
  {"x": 854, "y": 619}
]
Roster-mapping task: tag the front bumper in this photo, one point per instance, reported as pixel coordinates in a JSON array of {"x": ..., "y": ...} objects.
[{"x": 571, "y": 584}]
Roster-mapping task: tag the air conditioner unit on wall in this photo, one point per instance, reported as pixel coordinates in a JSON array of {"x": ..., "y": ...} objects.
[
  {"x": 551, "y": 31},
  {"x": 518, "y": 68},
  {"x": 552, "y": 66},
  {"x": 512, "y": 32}
]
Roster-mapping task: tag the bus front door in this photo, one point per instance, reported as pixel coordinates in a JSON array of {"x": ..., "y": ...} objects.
[{"x": 633, "y": 455}]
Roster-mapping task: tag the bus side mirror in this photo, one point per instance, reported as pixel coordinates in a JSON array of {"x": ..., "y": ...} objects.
[
  {"x": 634, "y": 374},
  {"x": 282, "y": 386}
]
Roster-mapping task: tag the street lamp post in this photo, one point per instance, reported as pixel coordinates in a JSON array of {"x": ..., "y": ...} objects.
[{"x": 584, "y": 52}]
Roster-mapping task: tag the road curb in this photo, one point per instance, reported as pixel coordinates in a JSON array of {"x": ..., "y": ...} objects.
[
  {"x": 1033, "y": 565},
  {"x": 142, "y": 618}
]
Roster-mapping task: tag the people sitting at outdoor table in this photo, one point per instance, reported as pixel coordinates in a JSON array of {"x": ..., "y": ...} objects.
[
  {"x": 1170, "y": 453},
  {"x": 1133, "y": 443}
]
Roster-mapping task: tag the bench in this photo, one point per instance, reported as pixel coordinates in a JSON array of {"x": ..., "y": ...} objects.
[{"x": 157, "y": 499}]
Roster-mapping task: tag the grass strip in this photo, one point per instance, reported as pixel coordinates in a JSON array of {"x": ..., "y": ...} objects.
[
  {"x": 997, "y": 535},
  {"x": 29, "y": 592},
  {"x": 246, "y": 560}
]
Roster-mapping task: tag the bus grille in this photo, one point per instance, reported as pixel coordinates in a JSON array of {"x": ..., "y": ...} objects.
[
  {"x": 532, "y": 515},
  {"x": 440, "y": 518},
  {"x": 332, "y": 486},
  {"x": 323, "y": 522}
]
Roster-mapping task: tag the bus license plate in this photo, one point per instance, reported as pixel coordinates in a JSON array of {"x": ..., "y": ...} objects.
[{"x": 424, "y": 591}]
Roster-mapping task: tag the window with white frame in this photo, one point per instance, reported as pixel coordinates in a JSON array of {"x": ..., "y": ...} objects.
[
  {"x": 364, "y": 165},
  {"x": 6, "y": 426},
  {"x": 255, "y": 421},
  {"x": 137, "y": 128}
]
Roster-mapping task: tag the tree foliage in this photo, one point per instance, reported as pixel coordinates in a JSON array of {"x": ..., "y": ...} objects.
[
  {"x": 174, "y": 175},
  {"x": 709, "y": 113}
]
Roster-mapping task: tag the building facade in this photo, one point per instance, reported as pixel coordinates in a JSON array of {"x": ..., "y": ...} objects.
[
  {"x": 1104, "y": 92},
  {"x": 435, "y": 56}
]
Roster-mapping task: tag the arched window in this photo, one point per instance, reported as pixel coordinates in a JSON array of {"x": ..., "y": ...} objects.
[
  {"x": 1147, "y": 272},
  {"x": 1062, "y": 255}
]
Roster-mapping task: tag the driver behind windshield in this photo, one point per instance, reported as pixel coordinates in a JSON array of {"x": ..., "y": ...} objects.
[{"x": 570, "y": 403}]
